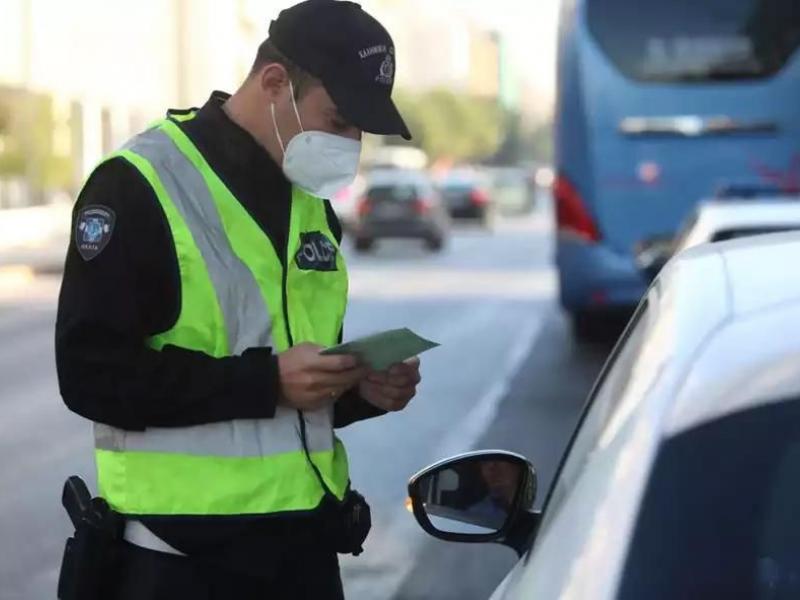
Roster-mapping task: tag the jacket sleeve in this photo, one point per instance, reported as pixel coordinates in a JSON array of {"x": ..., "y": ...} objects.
[
  {"x": 351, "y": 408},
  {"x": 111, "y": 303}
]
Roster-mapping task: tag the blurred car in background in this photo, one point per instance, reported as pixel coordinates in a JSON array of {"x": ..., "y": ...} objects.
[
  {"x": 680, "y": 480},
  {"x": 736, "y": 211},
  {"x": 656, "y": 102},
  {"x": 467, "y": 197},
  {"x": 512, "y": 190},
  {"x": 400, "y": 203}
]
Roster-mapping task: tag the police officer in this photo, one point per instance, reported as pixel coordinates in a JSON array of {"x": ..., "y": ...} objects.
[{"x": 203, "y": 279}]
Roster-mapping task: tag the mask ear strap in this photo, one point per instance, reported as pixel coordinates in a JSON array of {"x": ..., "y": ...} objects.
[
  {"x": 294, "y": 105},
  {"x": 275, "y": 126}
]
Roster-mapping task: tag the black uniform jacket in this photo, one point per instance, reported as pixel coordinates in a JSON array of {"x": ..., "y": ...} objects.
[{"x": 110, "y": 304}]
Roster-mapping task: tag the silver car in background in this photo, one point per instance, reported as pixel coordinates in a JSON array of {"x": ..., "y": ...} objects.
[
  {"x": 733, "y": 213},
  {"x": 400, "y": 203},
  {"x": 726, "y": 219}
]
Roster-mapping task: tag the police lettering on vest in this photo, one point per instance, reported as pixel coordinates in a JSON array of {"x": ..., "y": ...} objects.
[{"x": 317, "y": 252}]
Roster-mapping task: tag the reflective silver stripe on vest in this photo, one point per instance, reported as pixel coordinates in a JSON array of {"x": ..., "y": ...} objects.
[
  {"x": 247, "y": 321},
  {"x": 246, "y": 317},
  {"x": 238, "y": 438}
]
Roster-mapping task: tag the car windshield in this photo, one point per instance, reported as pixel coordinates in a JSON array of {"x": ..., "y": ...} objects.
[
  {"x": 464, "y": 184},
  {"x": 392, "y": 193},
  {"x": 456, "y": 189},
  {"x": 719, "y": 516},
  {"x": 696, "y": 40}
]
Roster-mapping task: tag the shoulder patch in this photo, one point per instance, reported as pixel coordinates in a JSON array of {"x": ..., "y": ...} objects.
[{"x": 93, "y": 229}]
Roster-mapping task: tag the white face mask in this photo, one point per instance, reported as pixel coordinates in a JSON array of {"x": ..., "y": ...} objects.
[{"x": 318, "y": 162}]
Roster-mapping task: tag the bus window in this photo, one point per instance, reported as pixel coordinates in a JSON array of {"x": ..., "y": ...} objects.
[{"x": 696, "y": 40}]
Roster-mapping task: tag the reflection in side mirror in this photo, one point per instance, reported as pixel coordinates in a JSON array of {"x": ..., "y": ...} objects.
[{"x": 475, "y": 497}]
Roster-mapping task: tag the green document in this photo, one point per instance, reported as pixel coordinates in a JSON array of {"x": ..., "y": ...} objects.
[{"x": 382, "y": 350}]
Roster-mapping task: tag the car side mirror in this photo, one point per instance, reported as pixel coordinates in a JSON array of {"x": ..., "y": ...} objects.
[{"x": 478, "y": 497}]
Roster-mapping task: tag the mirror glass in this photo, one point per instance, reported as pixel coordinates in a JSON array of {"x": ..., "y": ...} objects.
[{"x": 473, "y": 497}]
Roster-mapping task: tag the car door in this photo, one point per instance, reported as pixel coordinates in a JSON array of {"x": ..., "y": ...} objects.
[{"x": 547, "y": 561}]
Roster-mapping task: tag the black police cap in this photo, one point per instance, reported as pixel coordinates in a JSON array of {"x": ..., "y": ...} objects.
[{"x": 351, "y": 53}]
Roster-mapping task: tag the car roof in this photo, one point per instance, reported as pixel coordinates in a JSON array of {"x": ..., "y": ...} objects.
[
  {"x": 756, "y": 268},
  {"x": 392, "y": 177},
  {"x": 736, "y": 212},
  {"x": 746, "y": 359},
  {"x": 718, "y": 216}
]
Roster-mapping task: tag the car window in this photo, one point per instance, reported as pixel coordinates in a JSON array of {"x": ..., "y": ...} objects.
[
  {"x": 696, "y": 40},
  {"x": 732, "y": 234},
  {"x": 599, "y": 408},
  {"x": 719, "y": 515},
  {"x": 463, "y": 186},
  {"x": 392, "y": 193}
]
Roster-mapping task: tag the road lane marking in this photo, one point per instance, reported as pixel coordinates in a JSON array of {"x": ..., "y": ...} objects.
[
  {"x": 439, "y": 284},
  {"x": 401, "y": 533},
  {"x": 463, "y": 437}
]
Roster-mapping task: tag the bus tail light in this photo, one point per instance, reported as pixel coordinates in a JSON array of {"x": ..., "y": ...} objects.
[{"x": 572, "y": 215}]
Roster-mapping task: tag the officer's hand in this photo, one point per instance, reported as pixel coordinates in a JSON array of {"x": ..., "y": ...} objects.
[
  {"x": 310, "y": 381},
  {"x": 394, "y": 388}
]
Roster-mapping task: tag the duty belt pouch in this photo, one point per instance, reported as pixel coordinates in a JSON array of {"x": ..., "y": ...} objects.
[
  {"x": 88, "y": 565},
  {"x": 347, "y": 522},
  {"x": 91, "y": 554}
]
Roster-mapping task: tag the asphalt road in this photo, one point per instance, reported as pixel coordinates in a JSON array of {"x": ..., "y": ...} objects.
[{"x": 506, "y": 376}]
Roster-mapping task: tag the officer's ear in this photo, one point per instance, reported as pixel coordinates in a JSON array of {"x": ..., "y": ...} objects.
[{"x": 274, "y": 81}]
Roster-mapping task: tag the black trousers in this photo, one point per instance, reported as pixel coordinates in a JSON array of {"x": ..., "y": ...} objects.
[{"x": 147, "y": 575}]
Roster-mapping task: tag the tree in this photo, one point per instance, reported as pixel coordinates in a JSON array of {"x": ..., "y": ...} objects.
[
  {"x": 27, "y": 151},
  {"x": 452, "y": 126},
  {"x": 524, "y": 141}
]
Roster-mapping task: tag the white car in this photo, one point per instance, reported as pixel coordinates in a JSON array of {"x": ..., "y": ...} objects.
[
  {"x": 726, "y": 219},
  {"x": 723, "y": 218},
  {"x": 683, "y": 477}
]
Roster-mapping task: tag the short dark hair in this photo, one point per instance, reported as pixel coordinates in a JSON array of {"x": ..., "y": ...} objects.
[{"x": 268, "y": 54}]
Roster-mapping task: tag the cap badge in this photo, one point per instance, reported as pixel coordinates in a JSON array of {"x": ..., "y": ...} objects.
[{"x": 386, "y": 75}]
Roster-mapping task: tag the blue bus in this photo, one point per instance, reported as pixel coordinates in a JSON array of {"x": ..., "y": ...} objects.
[{"x": 659, "y": 102}]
